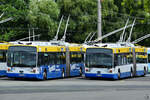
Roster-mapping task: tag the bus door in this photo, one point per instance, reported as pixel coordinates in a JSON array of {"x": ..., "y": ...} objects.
[
  {"x": 67, "y": 72},
  {"x": 134, "y": 61}
]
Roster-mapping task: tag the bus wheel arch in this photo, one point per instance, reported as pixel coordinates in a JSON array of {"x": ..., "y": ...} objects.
[
  {"x": 131, "y": 72},
  {"x": 63, "y": 73},
  {"x": 45, "y": 74},
  {"x": 119, "y": 74},
  {"x": 144, "y": 71},
  {"x": 81, "y": 71}
]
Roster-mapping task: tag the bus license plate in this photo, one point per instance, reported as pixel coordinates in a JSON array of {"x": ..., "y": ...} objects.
[
  {"x": 21, "y": 74},
  {"x": 98, "y": 73}
]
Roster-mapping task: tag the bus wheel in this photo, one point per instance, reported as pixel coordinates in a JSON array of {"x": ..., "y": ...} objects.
[
  {"x": 80, "y": 71},
  {"x": 131, "y": 74},
  {"x": 63, "y": 73},
  {"x": 144, "y": 71},
  {"x": 119, "y": 74},
  {"x": 44, "y": 75}
]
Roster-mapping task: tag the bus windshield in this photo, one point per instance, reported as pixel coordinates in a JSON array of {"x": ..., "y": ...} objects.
[
  {"x": 2, "y": 56},
  {"x": 101, "y": 58},
  {"x": 23, "y": 58}
]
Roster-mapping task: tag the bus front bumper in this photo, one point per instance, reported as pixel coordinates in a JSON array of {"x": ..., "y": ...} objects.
[
  {"x": 92, "y": 75},
  {"x": 2, "y": 72},
  {"x": 18, "y": 75}
]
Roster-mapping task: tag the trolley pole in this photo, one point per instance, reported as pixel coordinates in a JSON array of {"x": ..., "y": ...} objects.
[
  {"x": 29, "y": 32},
  {"x": 99, "y": 26},
  {"x": 33, "y": 35}
]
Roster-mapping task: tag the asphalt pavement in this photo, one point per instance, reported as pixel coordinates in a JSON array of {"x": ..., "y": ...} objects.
[{"x": 76, "y": 88}]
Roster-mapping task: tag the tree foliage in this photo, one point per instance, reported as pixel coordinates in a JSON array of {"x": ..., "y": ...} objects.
[
  {"x": 17, "y": 9},
  {"x": 44, "y": 15}
]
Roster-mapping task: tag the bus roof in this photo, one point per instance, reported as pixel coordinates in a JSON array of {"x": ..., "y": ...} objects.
[
  {"x": 52, "y": 48},
  {"x": 4, "y": 46},
  {"x": 76, "y": 48},
  {"x": 124, "y": 49}
]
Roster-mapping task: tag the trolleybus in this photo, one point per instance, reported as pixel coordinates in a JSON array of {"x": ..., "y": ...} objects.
[
  {"x": 3, "y": 64},
  {"x": 44, "y": 62},
  {"x": 115, "y": 63},
  {"x": 148, "y": 53}
]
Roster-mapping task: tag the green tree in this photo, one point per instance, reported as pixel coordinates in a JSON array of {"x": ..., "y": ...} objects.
[
  {"x": 44, "y": 15},
  {"x": 17, "y": 9},
  {"x": 84, "y": 16},
  {"x": 139, "y": 9}
]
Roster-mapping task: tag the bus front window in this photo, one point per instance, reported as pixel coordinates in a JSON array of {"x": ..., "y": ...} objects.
[
  {"x": 22, "y": 59},
  {"x": 99, "y": 60}
]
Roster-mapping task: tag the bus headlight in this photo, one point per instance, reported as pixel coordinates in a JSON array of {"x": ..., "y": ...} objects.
[
  {"x": 110, "y": 71},
  {"x": 33, "y": 70},
  {"x": 87, "y": 70},
  {"x": 8, "y": 69}
]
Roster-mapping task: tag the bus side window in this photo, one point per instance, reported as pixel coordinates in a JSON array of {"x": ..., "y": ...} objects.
[
  {"x": 130, "y": 59},
  {"x": 82, "y": 57},
  {"x": 125, "y": 59},
  {"x": 57, "y": 60},
  {"x": 72, "y": 57},
  {"x": 119, "y": 60},
  {"x": 2, "y": 56},
  {"x": 46, "y": 59},
  {"x": 40, "y": 59},
  {"x": 51, "y": 58},
  {"x": 76, "y": 57},
  {"x": 62, "y": 58},
  {"x": 115, "y": 60}
]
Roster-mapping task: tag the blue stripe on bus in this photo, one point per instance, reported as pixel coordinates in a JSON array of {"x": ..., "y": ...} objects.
[
  {"x": 52, "y": 74},
  {"x": 148, "y": 67},
  {"x": 90, "y": 75},
  {"x": 140, "y": 73},
  {"x": 125, "y": 74},
  {"x": 113, "y": 76},
  {"x": 16, "y": 75},
  {"x": 2, "y": 72}
]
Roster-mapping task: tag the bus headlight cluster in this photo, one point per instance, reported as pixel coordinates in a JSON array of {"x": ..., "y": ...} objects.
[
  {"x": 33, "y": 70},
  {"x": 8, "y": 69},
  {"x": 87, "y": 70},
  {"x": 110, "y": 71}
]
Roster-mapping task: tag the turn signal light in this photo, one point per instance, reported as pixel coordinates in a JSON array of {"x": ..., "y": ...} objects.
[
  {"x": 8, "y": 69},
  {"x": 110, "y": 71},
  {"x": 34, "y": 71},
  {"x": 86, "y": 70}
]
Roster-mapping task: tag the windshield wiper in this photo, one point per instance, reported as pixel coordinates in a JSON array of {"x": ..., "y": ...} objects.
[
  {"x": 100, "y": 66},
  {"x": 22, "y": 65}
]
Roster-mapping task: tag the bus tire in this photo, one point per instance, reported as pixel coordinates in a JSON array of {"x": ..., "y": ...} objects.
[
  {"x": 81, "y": 72},
  {"x": 131, "y": 74},
  {"x": 119, "y": 74},
  {"x": 63, "y": 74},
  {"x": 144, "y": 71},
  {"x": 44, "y": 75}
]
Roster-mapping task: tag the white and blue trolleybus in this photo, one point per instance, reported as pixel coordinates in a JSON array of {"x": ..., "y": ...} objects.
[{"x": 115, "y": 63}]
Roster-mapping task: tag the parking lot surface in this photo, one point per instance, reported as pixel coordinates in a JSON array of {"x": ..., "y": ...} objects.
[{"x": 75, "y": 88}]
